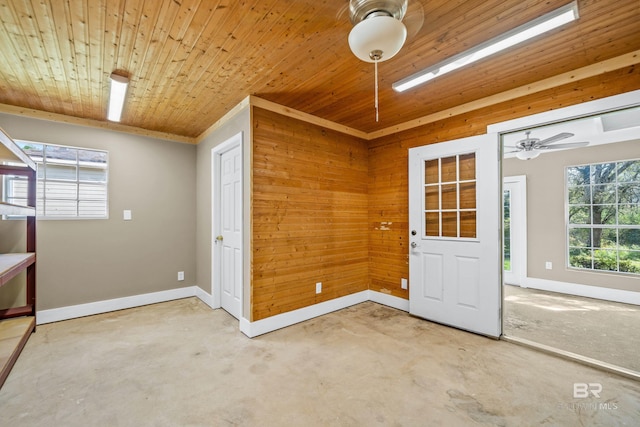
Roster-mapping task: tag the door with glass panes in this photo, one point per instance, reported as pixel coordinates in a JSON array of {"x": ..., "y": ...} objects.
[{"x": 454, "y": 223}]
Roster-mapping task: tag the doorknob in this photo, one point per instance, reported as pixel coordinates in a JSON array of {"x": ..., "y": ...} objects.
[
  {"x": 414, "y": 245},
  {"x": 219, "y": 239}
]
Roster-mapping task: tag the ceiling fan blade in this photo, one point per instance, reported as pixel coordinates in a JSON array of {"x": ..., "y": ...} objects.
[
  {"x": 413, "y": 19},
  {"x": 511, "y": 152},
  {"x": 343, "y": 13},
  {"x": 567, "y": 145},
  {"x": 554, "y": 138}
]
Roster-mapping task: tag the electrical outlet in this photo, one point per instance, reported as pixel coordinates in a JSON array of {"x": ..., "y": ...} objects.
[
  {"x": 548, "y": 265},
  {"x": 404, "y": 284},
  {"x": 318, "y": 287},
  {"x": 180, "y": 276}
]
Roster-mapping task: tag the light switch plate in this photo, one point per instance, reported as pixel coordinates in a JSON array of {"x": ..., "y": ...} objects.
[{"x": 126, "y": 215}]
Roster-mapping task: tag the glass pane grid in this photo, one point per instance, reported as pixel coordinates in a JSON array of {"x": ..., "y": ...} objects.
[
  {"x": 450, "y": 197},
  {"x": 72, "y": 182},
  {"x": 603, "y": 205}
]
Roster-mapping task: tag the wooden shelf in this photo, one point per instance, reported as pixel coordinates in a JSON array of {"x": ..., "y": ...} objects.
[
  {"x": 12, "y": 264},
  {"x": 17, "y": 323},
  {"x": 14, "y": 334}
]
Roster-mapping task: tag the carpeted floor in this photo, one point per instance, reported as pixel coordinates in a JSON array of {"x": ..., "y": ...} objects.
[
  {"x": 602, "y": 330},
  {"x": 182, "y": 364}
]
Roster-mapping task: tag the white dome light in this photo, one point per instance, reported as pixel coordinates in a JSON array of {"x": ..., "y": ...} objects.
[
  {"x": 527, "y": 155},
  {"x": 377, "y": 33}
]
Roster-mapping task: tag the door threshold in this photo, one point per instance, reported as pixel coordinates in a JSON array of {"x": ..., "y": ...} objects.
[{"x": 594, "y": 363}]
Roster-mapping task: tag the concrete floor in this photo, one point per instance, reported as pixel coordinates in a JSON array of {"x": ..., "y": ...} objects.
[
  {"x": 602, "y": 330},
  {"x": 182, "y": 364}
]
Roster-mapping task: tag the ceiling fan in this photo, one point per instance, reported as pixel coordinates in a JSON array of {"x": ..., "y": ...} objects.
[
  {"x": 379, "y": 33},
  {"x": 530, "y": 148}
]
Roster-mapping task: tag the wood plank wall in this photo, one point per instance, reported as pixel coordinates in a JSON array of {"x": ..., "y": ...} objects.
[
  {"x": 309, "y": 213},
  {"x": 388, "y": 166},
  {"x": 333, "y": 208}
]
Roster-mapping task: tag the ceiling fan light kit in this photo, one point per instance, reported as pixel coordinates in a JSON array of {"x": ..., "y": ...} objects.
[
  {"x": 531, "y": 29},
  {"x": 527, "y": 155},
  {"x": 530, "y": 148},
  {"x": 378, "y": 33}
]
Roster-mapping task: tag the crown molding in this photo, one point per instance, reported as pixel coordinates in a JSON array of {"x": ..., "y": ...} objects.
[{"x": 116, "y": 127}]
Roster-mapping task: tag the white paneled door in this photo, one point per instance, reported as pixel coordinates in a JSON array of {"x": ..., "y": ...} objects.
[
  {"x": 230, "y": 228},
  {"x": 454, "y": 224}
]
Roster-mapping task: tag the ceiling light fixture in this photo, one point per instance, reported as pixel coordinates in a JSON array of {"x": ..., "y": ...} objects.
[
  {"x": 116, "y": 97},
  {"x": 378, "y": 33},
  {"x": 544, "y": 23},
  {"x": 527, "y": 155}
]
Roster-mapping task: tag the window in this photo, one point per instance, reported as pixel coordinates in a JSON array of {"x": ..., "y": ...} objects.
[
  {"x": 506, "y": 229},
  {"x": 603, "y": 229},
  {"x": 72, "y": 182},
  {"x": 450, "y": 196}
]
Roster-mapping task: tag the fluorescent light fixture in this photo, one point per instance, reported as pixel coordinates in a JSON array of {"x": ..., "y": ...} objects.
[
  {"x": 531, "y": 29},
  {"x": 116, "y": 97}
]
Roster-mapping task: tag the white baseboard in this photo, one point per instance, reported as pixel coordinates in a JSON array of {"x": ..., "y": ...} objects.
[
  {"x": 205, "y": 297},
  {"x": 389, "y": 300},
  {"x": 81, "y": 310},
  {"x": 253, "y": 329},
  {"x": 608, "y": 294}
]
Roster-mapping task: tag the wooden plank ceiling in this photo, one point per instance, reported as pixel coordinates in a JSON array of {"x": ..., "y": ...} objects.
[{"x": 191, "y": 61}]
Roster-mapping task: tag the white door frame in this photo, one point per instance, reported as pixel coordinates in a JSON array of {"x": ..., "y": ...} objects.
[
  {"x": 518, "y": 230},
  {"x": 586, "y": 109},
  {"x": 611, "y": 103},
  {"x": 216, "y": 154}
]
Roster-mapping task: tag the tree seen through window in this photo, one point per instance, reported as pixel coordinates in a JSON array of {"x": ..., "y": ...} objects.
[{"x": 604, "y": 216}]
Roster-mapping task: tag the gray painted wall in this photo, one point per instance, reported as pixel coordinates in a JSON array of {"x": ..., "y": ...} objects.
[
  {"x": 546, "y": 232},
  {"x": 83, "y": 261},
  {"x": 241, "y": 122}
]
